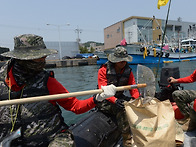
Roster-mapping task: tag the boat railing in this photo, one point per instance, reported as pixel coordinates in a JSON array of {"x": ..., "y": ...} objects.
[{"x": 173, "y": 50}]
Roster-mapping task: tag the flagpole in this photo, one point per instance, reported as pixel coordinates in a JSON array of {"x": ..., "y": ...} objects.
[{"x": 163, "y": 37}]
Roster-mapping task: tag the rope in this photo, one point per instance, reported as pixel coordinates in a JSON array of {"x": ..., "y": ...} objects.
[{"x": 13, "y": 120}]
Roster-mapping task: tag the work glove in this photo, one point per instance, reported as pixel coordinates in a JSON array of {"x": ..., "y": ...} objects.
[
  {"x": 108, "y": 91},
  {"x": 120, "y": 103}
]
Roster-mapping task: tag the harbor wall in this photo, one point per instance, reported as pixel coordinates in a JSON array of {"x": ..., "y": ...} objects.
[
  {"x": 66, "y": 62},
  {"x": 70, "y": 62}
]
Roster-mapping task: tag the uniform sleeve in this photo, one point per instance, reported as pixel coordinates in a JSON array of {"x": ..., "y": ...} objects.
[
  {"x": 189, "y": 79},
  {"x": 134, "y": 92},
  {"x": 71, "y": 103},
  {"x": 102, "y": 81}
]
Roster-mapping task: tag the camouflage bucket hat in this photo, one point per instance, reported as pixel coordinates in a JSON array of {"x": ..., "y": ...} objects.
[
  {"x": 29, "y": 47},
  {"x": 120, "y": 54}
]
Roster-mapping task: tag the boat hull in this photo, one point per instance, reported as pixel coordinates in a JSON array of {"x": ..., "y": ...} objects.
[
  {"x": 153, "y": 57},
  {"x": 139, "y": 59}
]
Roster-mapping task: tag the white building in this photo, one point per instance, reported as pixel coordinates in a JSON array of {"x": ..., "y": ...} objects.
[
  {"x": 67, "y": 49},
  {"x": 97, "y": 48}
]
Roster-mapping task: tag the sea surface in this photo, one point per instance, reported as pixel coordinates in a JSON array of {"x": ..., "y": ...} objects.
[{"x": 82, "y": 78}]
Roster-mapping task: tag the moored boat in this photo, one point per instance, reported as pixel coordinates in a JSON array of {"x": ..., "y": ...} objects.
[
  {"x": 154, "y": 54},
  {"x": 151, "y": 55}
]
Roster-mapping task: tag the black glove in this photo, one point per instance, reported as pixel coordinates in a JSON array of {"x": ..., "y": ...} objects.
[{"x": 119, "y": 103}]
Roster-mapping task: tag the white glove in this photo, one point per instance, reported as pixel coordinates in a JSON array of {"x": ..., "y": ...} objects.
[{"x": 108, "y": 91}]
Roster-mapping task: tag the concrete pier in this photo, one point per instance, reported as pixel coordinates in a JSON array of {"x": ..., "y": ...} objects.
[
  {"x": 67, "y": 62},
  {"x": 70, "y": 62}
]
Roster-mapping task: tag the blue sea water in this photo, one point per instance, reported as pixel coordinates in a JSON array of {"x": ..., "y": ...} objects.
[{"x": 82, "y": 78}]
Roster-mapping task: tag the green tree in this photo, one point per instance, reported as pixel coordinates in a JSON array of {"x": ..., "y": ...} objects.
[
  {"x": 83, "y": 49},
  {"x": 91, "y": 50}
]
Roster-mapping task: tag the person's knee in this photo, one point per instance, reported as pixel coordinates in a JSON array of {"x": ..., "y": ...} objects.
[{"x": 175, "y": 94}]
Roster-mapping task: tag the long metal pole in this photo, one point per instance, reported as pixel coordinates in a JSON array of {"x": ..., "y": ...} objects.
[
  {"x": 60, "y": 49},
  {"x": 148, "y": 36},
  {"x": 163, "y": 37}
]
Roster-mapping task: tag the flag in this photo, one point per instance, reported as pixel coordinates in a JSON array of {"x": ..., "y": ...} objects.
[
  {"x": 166, "y": 47},
  {"x": 162, "y": 3},
  {"x": 123, "y": 42}
]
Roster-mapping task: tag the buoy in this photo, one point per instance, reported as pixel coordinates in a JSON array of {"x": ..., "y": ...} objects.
[
  {"x": 148, "y": 52},
  {"x": 167, "y": 55}
]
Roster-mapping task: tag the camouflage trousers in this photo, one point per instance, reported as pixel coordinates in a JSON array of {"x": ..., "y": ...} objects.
[
  {"x": 123, "y": 126},
  {"x": 64, "y": 139},
  {"x": 121, "y": 120},
  {"x": 185, "y": 100},
  {"x": 118, "y": 113}
]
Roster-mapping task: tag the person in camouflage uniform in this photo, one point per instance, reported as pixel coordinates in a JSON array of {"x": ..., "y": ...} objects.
[
  {"x": 23, "y": 76},
  {"x": 117, "y": 71},
  {"x": 186, "y": 101}
]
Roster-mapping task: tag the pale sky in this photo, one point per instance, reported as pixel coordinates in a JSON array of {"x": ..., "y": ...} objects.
[{"x": 31, "y": 16}]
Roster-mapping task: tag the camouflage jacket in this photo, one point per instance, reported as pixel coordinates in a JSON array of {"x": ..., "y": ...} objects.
[{"x": 40, "y": 121}]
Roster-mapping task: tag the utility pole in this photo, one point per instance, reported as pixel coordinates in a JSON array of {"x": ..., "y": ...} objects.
[
  {"x": 78, "y": 31},
  {"x": 60, "y": 48}
]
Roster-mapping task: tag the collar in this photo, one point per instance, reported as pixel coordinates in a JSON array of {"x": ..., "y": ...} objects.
[{"x": 11, "y": 82}]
